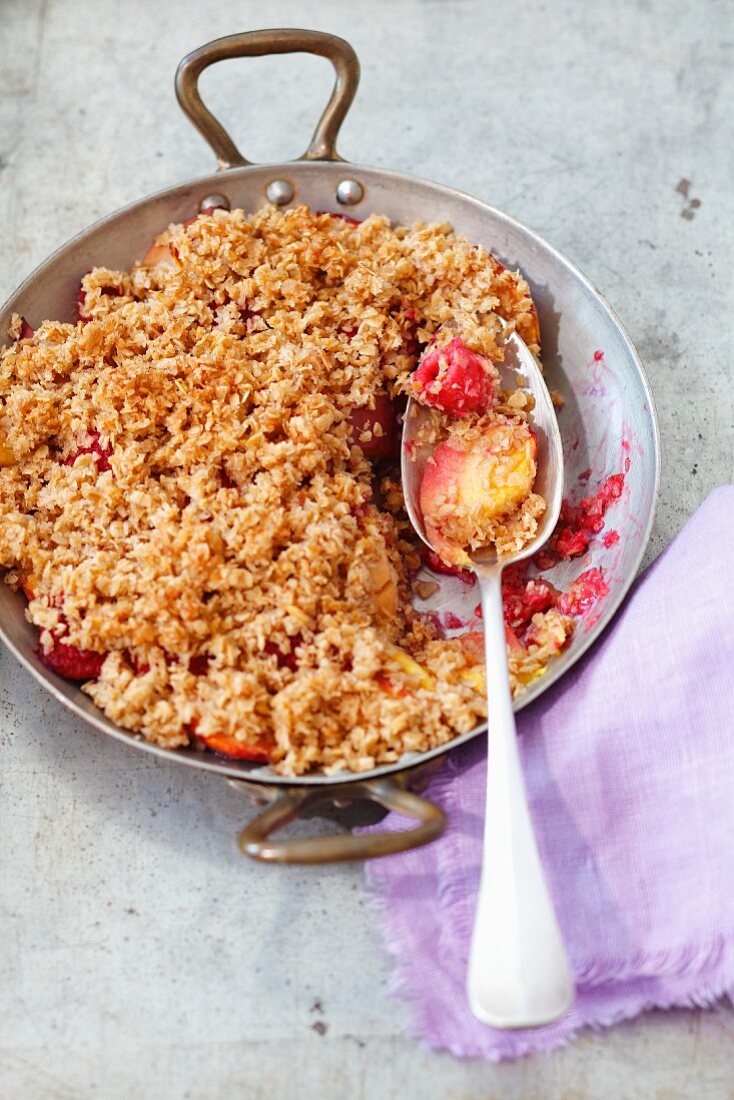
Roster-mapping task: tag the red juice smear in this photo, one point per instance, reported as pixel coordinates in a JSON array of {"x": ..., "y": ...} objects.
[
  {"x": 438, "y": 565},
  {"x": 523, "y": 597},
  {"x": 578, "y": 523},
  {"x": 383, "y": 417},
  {"x": 583, "y": 593},
  {"x": 71, "y": 662},
  {"x": 283, "y": 659}
]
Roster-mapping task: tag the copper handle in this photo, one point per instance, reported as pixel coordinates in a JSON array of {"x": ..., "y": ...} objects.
[
  {"x": 258, "y": 44},
  {"x": 255, "y": 839}
]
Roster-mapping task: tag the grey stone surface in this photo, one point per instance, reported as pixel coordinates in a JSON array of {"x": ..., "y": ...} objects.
[{"x": 141, "y": 956}]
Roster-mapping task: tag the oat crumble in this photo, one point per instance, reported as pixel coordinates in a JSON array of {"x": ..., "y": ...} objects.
[{"x": 196, "y": 491}]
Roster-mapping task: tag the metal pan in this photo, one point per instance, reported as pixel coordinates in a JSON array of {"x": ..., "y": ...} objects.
[{"x": 608, "y": 421}]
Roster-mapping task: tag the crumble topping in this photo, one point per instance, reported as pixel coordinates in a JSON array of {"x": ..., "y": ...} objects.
[{"x": 196, "y": 490}]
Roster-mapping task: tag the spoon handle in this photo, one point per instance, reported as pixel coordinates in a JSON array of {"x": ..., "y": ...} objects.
[{"x": 518, "y": 972}]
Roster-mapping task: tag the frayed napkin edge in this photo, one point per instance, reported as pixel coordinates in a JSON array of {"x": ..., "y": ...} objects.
[{"x": 406, "y": 985}]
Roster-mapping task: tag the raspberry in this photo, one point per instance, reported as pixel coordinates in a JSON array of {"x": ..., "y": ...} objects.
[
  {"x": 571, "y": 543},
  {"x": 454, "y": 379}
]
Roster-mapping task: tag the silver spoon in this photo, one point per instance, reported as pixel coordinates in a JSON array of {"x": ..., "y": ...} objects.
[{"x": 518, "y": 972}]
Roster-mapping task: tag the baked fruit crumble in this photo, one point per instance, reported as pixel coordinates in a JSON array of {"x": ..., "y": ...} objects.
[{"x": 200, "y": 497}]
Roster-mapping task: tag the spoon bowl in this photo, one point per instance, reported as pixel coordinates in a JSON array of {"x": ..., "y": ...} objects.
[
  {"x": 519, "y": 368},
  {"x": 518, "y": 972}
]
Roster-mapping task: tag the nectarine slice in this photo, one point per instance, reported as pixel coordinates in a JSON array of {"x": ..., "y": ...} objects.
[{"x": 465, "y": 491}]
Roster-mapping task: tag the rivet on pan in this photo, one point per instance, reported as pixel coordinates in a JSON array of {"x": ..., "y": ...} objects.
[
  {"x": 280, "y": 192},
  {"x": 214, "y": 202},
  {"x": 349, "y": 192}
]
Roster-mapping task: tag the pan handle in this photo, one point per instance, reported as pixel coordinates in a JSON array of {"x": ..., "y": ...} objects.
[
  {"x": 255, "y": 839},
  {"x": 258, "y": 44}
]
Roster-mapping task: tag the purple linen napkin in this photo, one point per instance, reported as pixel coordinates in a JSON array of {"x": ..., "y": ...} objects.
[{"x": 629, "y": 765}]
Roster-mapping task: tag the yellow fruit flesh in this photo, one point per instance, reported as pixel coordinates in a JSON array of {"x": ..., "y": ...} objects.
[
  {"x": 494, "y": 485},
  {"x": 411, "y": 668},
  {"x": 382, "y": 581}
]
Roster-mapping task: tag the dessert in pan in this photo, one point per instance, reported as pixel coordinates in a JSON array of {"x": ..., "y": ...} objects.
[{"x": 200, "y": 491}]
